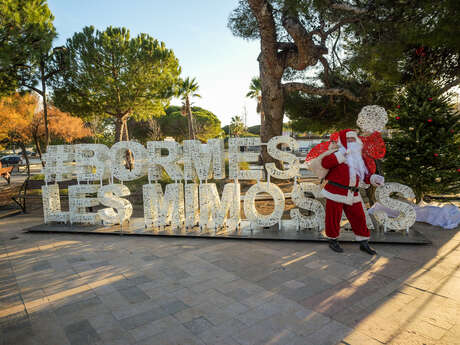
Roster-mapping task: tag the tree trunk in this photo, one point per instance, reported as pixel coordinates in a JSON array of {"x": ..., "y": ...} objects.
[
  {"x": 272, "y": 107},
  {"x": 154, "y": 129},
  {"x": 45, "y": 105},
  {"x": 129, "y": 155},
  {"x": 125, "y": 131},
  {"x": 121, "y": 134},
  {"x": 26, "y": 157},
  {"x": 261, "y": 111},
  {"x": 418, "y": 194},
  {"x": 38, "y": 149},
  {"x": 120, "y": 125},
  {"x": 191, "y": 127}
]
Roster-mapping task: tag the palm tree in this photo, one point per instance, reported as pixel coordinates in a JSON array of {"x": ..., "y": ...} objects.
[
  {"x": 188, "y": 89},
  {"x": 255, "y": 92},
  {"x": 237, "y": 126}
]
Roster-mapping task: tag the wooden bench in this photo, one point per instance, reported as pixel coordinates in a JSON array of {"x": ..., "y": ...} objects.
[{"x": 5, "y": 172}]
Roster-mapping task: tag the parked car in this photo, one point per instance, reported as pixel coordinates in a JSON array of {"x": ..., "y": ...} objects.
[
  {"x": 11, "y": 160},
  {"x": 30, "y": 154}
]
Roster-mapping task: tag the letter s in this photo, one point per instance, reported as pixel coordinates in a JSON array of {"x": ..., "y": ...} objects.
[
  {"x": 407, "y": 215},
  {"x": 109, "y": 195}
]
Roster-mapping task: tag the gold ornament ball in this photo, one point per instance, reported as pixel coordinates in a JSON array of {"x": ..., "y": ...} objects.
[
  {"x": 438, "y": 179},
  {"x": 407, "y": 158}
]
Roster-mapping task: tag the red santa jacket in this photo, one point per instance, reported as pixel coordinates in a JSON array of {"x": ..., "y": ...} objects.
[{"x": 339, "y": 172}]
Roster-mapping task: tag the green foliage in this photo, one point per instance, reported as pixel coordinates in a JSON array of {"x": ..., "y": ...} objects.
[
  {"x": 255, "y": 92},
  {"x": 144, "y": 130},
  {"x": 424, "y": 151},
  {"x": 187, "y": 88},
  {"x": 243, "y": 23},
  {"x": 384, "y": 43},
  {"x": 254, "y": 129},
  {"x": 174, "y": 124},
  {"x": 26, "y": 33},
  {"x": 237, "y": 127},
  {"x": 326, "y": 114},
  {"x": 255, "y": 88},
  {"x": 112, "y": 74},
  {"x": 102, "y": 129}
]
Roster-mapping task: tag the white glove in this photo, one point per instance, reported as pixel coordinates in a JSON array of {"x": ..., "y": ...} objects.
[{"x": 377, "y": 180}]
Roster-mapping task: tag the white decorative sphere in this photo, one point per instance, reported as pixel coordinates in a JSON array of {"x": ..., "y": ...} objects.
[{"x": 372, "y": 118}]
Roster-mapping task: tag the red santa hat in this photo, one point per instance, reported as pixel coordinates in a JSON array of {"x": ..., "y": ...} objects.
[{"x": 348, "y": 133}]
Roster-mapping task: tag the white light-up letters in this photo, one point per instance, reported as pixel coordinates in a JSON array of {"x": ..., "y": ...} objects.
[
  {"x": 164, "y": 209},
  {"x": 59, "y": 163},
  {"x": 168, "y": 163},
  {"x": 52, "y": 205},
  {"x": 185, "y": 205},
  {"x": 316, "y": 220},
  {"x": 92, "y": 161},
  {"x": 109, "y": 195},
  {"x": 79, "y": 203},
  {"x": 407, "y": 215},
  {"x": 204, "y": 160},
  {"x": 119, "y": 157},
  {"x": 290, "y": 158},
  {"x": 213, "y": 210},
  {"x": 192, "y": 207},
  {"x": 250, "y": 206},
  {"x": 235, "y": 157}
]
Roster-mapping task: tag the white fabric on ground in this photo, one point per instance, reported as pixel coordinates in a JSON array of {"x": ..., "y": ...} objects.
[{"x": 447, "y": 216}]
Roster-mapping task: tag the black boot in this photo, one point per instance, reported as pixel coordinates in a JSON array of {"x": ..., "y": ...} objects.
[
  {"x": 364, "y": 246},
  {"x": 335, "y": 246}
]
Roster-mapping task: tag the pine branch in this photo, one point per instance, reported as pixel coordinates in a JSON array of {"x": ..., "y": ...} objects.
[
  {"x": 312, "y": 90},
  {"x": 348, "y": 8}
]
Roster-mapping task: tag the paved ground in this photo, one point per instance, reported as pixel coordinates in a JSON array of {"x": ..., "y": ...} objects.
[{"x": 75, "y": 289}]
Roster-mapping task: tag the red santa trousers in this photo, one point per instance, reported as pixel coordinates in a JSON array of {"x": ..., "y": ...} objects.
[{"x": 355, "y": 215}]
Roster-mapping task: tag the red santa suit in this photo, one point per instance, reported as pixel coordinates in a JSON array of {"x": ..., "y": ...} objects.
[{"x": 342, "y": 193}]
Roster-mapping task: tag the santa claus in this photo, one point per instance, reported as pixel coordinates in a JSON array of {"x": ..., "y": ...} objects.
[{"x": 346, "y": 169}]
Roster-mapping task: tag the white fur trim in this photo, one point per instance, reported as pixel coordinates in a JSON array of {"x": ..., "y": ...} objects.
[
  {"x": 348, "y": 199},
  {"x": 353, "y": 134},
  {"x": 361, "y": 238},
  {"x": 377, "y": 180},
  {"x": 332, "y": 238},
  {"x": 340, "y": 157}
]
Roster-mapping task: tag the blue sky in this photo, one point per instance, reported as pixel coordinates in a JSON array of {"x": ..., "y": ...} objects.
[{"x": 196, "y": 31}]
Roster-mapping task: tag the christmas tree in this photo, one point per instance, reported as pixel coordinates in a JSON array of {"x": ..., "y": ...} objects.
[{"x": 424, "y": 145}]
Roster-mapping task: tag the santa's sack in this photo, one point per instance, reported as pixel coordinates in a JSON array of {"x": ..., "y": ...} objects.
[{"x": 316, "y": 166}]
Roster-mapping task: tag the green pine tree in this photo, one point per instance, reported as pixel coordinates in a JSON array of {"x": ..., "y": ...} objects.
[{"x": 424, "y": 146}]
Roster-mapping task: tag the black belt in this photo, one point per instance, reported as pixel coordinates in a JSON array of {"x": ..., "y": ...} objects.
[{"x": 353, "y": 189}]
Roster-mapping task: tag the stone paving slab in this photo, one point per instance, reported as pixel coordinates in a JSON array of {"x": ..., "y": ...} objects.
[
  {"x": 71, "y": 288},
  {"x": 285, "y": 231}
]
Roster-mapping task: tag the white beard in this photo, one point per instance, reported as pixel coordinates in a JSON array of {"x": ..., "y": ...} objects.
[{"x": 355, "y": 160}]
